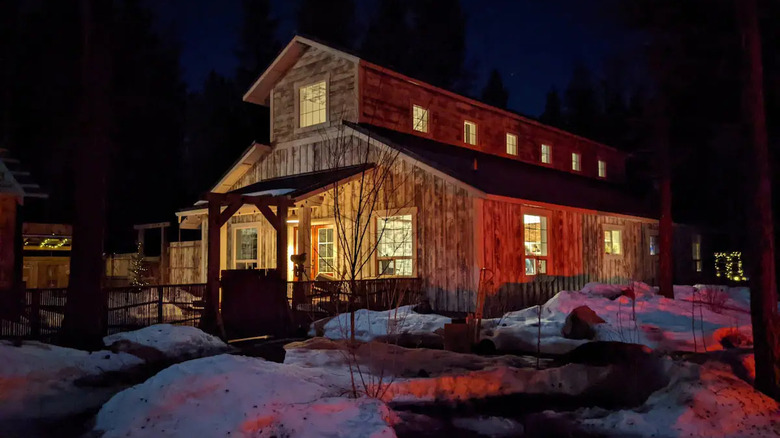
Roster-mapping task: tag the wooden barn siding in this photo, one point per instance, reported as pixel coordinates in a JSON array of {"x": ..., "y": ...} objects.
[
  {"x": 313, "y": 65},
  {"x": 184, "y": 259},
  {"x": 387, "y": 101},
  {"x": 576, "y": 254}
]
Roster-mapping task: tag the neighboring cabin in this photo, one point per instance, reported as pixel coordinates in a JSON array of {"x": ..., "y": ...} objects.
[{"x": 473, "y": 189}]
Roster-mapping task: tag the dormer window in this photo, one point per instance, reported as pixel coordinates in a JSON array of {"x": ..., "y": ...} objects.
[
  {"x": 602, "y": 169},
  {"x": 419, "y": 118},
  {"x": 313, "y": 104},
  {"x": 546, "y": 155},
  {"x": 470, "y": 133},
  {"x": 511, "y": 144},
  {"x": 576, "y": 162}
]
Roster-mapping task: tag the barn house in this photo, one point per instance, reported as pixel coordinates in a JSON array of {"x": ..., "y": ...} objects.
[{"x": 374, "y": 171}]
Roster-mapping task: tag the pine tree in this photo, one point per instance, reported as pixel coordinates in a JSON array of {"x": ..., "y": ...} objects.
[
  {"x": 552, "y": 114},
  {"x": 138, "y": 270},
  {"x": 332, "y": 22},
  {"x": 494, "y": 92},
  {"x": 389, "y": 36},
  {"x": 257, "y": 46},
  {"x": 581, "y": 109},
  {"x": 439, "y": 53}
]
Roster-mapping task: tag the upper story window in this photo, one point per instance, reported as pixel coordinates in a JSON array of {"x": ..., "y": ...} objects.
[
  {"x": 602, "y": 169},
  {"x": 546, "y": 154},
  {"x": 419, "y": 118},
  {"x": 469, "y": 132},
  {"x": 576, "y": 161},
  {"x": 313, "y": 104},
  {"x": 511, "y": 144},
  {"x": 696, "y": 252},
  {"x": 535, "y": 239}
]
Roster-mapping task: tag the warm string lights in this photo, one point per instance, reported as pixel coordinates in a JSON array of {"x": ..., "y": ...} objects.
[{"x": 729, "y": 265}]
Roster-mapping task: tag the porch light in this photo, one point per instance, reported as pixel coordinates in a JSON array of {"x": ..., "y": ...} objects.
[{"x": 292, "y": 219}]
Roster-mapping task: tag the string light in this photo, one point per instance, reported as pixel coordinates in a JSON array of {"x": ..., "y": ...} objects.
[{"x": 729, "y": 265}]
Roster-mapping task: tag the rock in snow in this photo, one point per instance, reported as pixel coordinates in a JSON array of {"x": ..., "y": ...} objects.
[{"x": 581, "y": 323}]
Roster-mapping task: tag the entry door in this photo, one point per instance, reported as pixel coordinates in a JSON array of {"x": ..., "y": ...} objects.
[{"x": 323, "y": 250}]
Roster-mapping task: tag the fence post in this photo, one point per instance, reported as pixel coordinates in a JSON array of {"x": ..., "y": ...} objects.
[
  {"x": 35, "y": 314},
  {"x": 159, "y": 304}
]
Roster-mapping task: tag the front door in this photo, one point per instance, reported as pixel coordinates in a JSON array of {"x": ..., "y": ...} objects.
[{"x": 322, "y": 253}]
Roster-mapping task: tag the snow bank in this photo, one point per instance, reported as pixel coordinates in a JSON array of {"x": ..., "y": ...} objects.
[
  {"x": 700, "y": 401},
  {"x": 39, "y": 380},
  {"x": 174, "y": 341},
  {"x": 370, "y": 324},
  {"x": 657, "y": 322},
  {"x": 239, "y": 396}
]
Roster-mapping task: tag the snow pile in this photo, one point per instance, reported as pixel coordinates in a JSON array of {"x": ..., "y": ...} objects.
[
  {"x": 173, "y": 341},
  {"x": 490, "y": 426},
  {"x": 398, "y": 374},
  {"x": 40, "y": 381},
  {"x": 370, "y": 324},
  {"x": 700, "y": 400},
  {"x": 651, "y": 320},
  {"x": 238, "y": 396}
]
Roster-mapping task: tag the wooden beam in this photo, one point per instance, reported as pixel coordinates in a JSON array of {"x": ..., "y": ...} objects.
[
  {"x": 281, "y": 242},
  {"x": 304, "y": 238},
  {"x": 269, "y": 215},
  {"x": 210, "y": 320},
  {"x": 229, "y": 211},
  {"x": 151, "y": 226},
  {"x": 164, "y": 262}
]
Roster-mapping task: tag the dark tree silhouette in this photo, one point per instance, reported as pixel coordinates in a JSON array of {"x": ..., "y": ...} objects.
[
  {"x": 390, "y": 36},
  {"x": 332, "y": 22},
  {"x": 494, "y": 92},
  {"x": 84, "y": 315},
  {"x": 553, "y": 113},
  {"x": 258, "y": 45},
  {"x": 581, "y": 107}
]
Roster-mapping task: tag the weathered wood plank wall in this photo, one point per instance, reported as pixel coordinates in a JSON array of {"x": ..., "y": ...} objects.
[
  {"x": 386, "y": 100},
  {"x": 185, "y": 262}
]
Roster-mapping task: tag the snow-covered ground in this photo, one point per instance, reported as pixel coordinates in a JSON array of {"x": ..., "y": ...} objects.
[
  {"x": 173, "y": 341},
  {"x": 39, "y": 381},
  {"x": 370, "y": 324},
  {"x": 681, "y": 324},
  {"x": 241, "y": 397}
]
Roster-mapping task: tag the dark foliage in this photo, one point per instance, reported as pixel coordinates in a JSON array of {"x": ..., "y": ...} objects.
[
  {"x": 332, "y": 22},
  {"x": 494, "y": 92}
]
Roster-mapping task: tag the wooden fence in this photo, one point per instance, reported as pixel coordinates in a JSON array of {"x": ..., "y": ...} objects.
[
  {"x": 331, "y": 297},
  {"x": 127, "y": 308}
]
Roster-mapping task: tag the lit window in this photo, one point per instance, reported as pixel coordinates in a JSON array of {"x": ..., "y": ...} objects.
[
  {"x": 653, "y": 244},
  {"x": 326, "y": 251},
  {"x": 696, "y": 252},
  {"x": 535, "y": 237},
  {"x": 395, "y": 245},
  {"x": 546, "y": 154},
  {"x": 246, "y": 248},
  {"x": 419, "y": 118},
  {"x": 511, "y": 144},
  {"x": 312, "y": 104},
  {"x": 602, "y": 169},
  {"x": 612, "y": 243},
  {"x": 576, "y": 161},
  {"x": 470, "y": 132}
]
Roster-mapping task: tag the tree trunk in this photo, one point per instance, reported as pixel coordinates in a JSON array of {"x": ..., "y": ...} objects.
[
  {"x": 85, "y": 308},
  {"x": 666, "y": 229},
  {"x": 763, "y": 287}
]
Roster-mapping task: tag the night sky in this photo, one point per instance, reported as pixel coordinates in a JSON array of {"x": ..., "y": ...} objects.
[{"x": 533, "y": 43}]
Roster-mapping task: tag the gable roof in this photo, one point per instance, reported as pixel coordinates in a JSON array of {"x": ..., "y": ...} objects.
[
  {"x": 15, "y": 180},
  {"x": 252, "y": 155},
  {"x": 501, "y": 176},
  {"x": 303, "y": 185}
]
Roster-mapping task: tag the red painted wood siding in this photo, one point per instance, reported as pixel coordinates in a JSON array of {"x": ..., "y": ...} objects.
[{"x": 386, "y": 100}]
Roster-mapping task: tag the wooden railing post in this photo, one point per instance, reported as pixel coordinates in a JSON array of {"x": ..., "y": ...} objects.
[
  {"x": 160, "y": 304},
  {"x": 35, "y": 314}
]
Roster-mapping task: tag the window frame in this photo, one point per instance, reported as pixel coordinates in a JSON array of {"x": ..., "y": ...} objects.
[
  {"x": 316, "y": 266},
  {"x": 476, "y": 133},
  {"x": 513, "y": 136},
  {"x": 297, "y": 102},
  {"x": 244, "y": 226},
  {"x": 599, "y": 163},
  {"x": 576, "y": 161},
  {"x": 698, "y": 265},
  {"x": 427, "y": 119},
  {"x": 650, "y": 235},
  {"x": 612, "y": 229},
  {"x": 380, "y": 214},
  {"x": 549, "y": 154},
  {"x": 548, "y": 258}
]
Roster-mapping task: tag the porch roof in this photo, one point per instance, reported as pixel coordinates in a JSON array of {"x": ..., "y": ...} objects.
[{"x": 501, "y": 176}]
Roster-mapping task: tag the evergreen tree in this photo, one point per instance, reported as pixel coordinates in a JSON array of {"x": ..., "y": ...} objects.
[
  {"x": 581, "y": 108},
  {"x": 257, "y": 46},
  {"x": 552, "y": 115},
  {"x": 138, "y": 269},
  {"x": 389, "y": 36},
  {"x": 332, "y": 22},
  {"x": 494, "y": 92}
]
